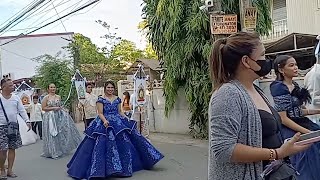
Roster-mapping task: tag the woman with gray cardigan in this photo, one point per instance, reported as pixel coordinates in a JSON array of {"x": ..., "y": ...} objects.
[{"x": 244, "y": 128}]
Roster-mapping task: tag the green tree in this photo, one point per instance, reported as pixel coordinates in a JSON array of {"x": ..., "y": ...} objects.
[
  {"x": 84, "y": 51},
  {"x": 180, "y": 34},
  {"x": 57, "y": 71},
  {"x": 125, "y": 53},
  {"x": 149, "y": 53},
  {"x": 110, "y": 36}
]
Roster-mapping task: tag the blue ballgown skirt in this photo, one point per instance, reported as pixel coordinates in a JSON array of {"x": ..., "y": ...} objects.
[
  {"x": 116, "y": 151},
  {"x": 307, "y": 163}
]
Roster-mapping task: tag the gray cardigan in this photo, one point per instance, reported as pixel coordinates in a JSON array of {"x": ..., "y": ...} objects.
[{"x": 233, "y": 119}]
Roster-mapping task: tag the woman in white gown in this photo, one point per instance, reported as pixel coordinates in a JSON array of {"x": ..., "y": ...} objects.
[{"x": 27, "y": 135}]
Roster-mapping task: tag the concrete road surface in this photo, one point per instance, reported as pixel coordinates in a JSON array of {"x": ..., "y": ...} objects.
[{"x": 185, "y": 159}]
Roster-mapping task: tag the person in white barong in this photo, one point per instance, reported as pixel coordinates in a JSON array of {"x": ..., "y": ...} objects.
[{"x": 312, "y": 83}]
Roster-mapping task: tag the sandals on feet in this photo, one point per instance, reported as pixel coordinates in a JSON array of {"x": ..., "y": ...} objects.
[
  {"x": 12, "y": 175},
  {"x": 3, "y": 177}
]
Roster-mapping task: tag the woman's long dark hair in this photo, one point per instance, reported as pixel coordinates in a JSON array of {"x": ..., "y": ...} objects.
[
  {"x": 127, "y": 97},
  {"x": 109, "y": 82},
  {"x": 301, "y": 93},
  {"x": 226, "y": 55},
  {"x": 279, "y": 63},
  {"x": 112, "y": 83}
]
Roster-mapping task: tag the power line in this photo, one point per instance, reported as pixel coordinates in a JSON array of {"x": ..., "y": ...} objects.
[
  {"x": 75, "y": 14},
  {"x": 51, "y": 16},
  {"x": 11, "y": 30},
  {"x": 76, "y": 5},
  {"x": 17, "y": 54},
  {"x": 20, "y": 16},
  {"x": 88, "y": 9},
  {"x": 59, "y": 17},
  {"x": 79, "y": 9},
  {"x": 17, "y": 22},
  {"x": 32, "y": 14},
  {"x": 47, "y": 10},
  {"x": 57, "y": 14},
  {"x": 18, "y": 13},
  {"x": 41, "y": 17}
]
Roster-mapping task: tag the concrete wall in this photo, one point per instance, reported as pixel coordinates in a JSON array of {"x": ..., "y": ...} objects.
[{"x": 178, "y": 120}]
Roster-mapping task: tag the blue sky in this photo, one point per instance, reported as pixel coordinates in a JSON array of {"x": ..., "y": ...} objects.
[{"x": 122, "y": 14}]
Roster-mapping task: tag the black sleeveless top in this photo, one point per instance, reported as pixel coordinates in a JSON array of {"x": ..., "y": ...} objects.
[{"x": 271, "y": 136}]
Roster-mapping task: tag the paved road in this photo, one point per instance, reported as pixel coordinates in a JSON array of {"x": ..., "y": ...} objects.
[{"x": 182, "y": 162}]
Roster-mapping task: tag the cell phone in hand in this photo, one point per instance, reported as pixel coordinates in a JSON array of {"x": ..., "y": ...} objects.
[{"x": 308, "y": 138}]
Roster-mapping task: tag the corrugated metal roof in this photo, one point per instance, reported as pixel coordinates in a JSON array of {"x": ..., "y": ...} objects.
[{"x": 147, "y": 63}]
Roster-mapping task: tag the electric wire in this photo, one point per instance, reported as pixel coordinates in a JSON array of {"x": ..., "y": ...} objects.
[
  {"x": 20, "y": 16},
  {"x": 41, "y": 17},
  {"x": 36, "y": 25},
  {"x": 24, "y": 18},
  {"x": 16, "y": 54},
  {"x": 17, "y": 13},
  {"x": 59, "y": 17},
  {"x": 75, "y": 14},
  {"x": 33, "y": 13},
  {"x": 79, "y": 9},
  {"x": 45, "y": 10}
]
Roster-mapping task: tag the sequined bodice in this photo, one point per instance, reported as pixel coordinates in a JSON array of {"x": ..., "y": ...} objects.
[
  {"x": 110, "y": 107},
  {"x": 53, "y": 103}
]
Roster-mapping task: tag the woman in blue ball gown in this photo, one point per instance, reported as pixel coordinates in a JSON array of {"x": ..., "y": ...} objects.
[{"x": 112, "y": 146}]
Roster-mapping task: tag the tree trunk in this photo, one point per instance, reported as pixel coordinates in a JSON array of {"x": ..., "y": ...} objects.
[{"x": 216, "y": 11}]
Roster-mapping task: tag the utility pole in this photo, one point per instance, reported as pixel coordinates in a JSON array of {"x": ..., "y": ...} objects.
[
  {"x": 216, "y": 10},
  {"x": 247, "y": 17}
]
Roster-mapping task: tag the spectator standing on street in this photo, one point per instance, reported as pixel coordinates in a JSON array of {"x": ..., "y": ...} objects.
[
  {"x": 88, "y": 105},
  {"x": 244, "y": 129},
  {"x": 36, "y": 116},
  {"x": 11, "y": 106}
]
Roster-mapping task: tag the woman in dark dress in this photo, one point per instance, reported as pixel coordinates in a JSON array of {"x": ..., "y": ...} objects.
[{"x": 289, "y": 99}]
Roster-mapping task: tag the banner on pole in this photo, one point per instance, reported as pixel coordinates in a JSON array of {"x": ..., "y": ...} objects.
[
  {"x": 80, "y": 87},
  {"x": 25, "y": 96},
  {"x": 250, "y": 18},
  {"x": 140, "y": 91}
]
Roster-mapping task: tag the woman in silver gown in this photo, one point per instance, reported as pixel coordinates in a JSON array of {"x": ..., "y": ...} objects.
[{"x": 60, "y": 135}]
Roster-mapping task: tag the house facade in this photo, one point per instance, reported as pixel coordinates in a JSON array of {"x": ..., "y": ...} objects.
[
  {"x": 293, "y": 16},
  {"x": 19, "y": 54}
]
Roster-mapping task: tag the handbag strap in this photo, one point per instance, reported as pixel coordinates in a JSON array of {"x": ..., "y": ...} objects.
[
  {"x": 260, "y": 91},
  {"x": 4, "y": 111}
]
